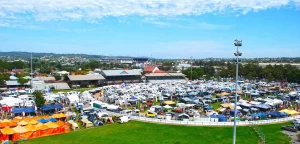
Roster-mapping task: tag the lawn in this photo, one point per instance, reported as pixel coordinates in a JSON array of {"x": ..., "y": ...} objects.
[
  {"x": 274, "y": 135},
  {"x": 216, "y": 105},
  {"x": 144, "y": 133}
]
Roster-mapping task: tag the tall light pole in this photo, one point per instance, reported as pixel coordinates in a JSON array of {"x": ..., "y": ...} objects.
[
  {"x": 191, "y": 68},
  {"x": 238, "y": 43},
  {"x": 31, "y": 64}
]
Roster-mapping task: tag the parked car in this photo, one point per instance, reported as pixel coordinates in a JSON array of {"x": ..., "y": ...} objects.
[
  {"x": 289, "y": 128},
  {"x": 296, "y": 121},
  {"x": 124, "y": 119},
  {"x": 150, "y": 114}
]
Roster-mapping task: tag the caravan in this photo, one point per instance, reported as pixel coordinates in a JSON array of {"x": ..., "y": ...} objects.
[{"x": 124, "y": 119}]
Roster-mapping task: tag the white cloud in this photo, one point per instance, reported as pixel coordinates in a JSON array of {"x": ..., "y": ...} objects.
[
  {"x": 93, "y": 10},
  {"x": 185, "y": 24}
]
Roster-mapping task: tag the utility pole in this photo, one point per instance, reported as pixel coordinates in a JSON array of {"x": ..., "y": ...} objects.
[
  {"x": 31, "y": 72},
  {"x": 31, "y": 65},
  {"x": 191, "y": 69},
  {"x": 238, "y": 43}
]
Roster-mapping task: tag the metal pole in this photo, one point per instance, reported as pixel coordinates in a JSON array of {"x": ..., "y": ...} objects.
[
  {"x": 31, "y": 63},
  {"x": 191, "y": 69},
  {"x": 236, "y": 83},
  {"x": 31, "y": 72}
]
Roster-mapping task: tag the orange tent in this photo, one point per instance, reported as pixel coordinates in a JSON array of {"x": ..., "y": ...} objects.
[
  {"x": 9, "y": 123},
  {"x": 38, "y": 125},
  {"x": 27, "y": 119},
  {"x": 62, "y": 115},
  {"x": 67, "y": 128},
  {"x": 20, "y": 133},
  {"x": 18, "y": 118},
  {"x": 31, "y": 127},
  {"x": 32, "y": 131},
  {"x": 5, "y": 121},
  {"x": 44, "y": 117},
  {"x": 22, "y": 123},
  {"x": 60, "y": 123},
  {"x": 33, "y": 122},
  {"x": 44, "y": 130},
  {"x": 36, "y": 118},
  {"x": 5, "y": 132},
  {"x": 53, "y": 128},
  {"x": 61, "y": 126},
  {"x": 55, "y": 116},
  {"x": 51, "y": 125},
  {"x": 2, "y": 125}
]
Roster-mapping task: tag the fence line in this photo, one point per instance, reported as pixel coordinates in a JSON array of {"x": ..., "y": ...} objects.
[{"x": 210, "y": 123}]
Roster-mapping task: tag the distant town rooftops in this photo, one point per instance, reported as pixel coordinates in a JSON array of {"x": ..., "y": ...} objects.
[
  {"x": 46, "y": 78},
  {"x": 85, "y": 77},
  {"x": 15, "y": 83},
  {"x": 164, "y": 74}
]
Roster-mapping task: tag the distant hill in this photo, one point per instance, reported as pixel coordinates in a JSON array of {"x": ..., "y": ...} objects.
[{"x": 26, "y": 55}]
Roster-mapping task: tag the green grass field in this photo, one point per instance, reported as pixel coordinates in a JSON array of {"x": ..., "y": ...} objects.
[
  {"x": 145, "y": 133},
  {"x": 274, "y": 135}
]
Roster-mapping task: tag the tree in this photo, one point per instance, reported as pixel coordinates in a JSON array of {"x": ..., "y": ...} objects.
[
  {"x": 3, "y": 77},
  {"x": 39, "y": 99},
  {"x": 57, "y": 77},
  {"x": 20, "y": 75},
  {"x": 65, "y": 77},
  {"x": 22, "y": 81}
]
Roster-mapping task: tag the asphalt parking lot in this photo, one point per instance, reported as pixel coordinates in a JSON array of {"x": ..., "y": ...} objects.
[{"x": 292, "y": 135}]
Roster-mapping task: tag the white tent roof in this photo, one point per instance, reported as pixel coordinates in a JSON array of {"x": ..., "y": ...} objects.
[
  {"x": 167, "y": 107},
  {"x": 73, "y": 98},
  {"x": 112, "y": 107},
  {"x": 10, "y": 101}
]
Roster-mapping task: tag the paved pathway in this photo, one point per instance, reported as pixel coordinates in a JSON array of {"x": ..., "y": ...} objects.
[{"x": 292, "y": 135}]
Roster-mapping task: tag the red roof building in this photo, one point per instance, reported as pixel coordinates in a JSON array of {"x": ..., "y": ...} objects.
[
  {"x": 150, "y": 69},
  {"x": 159, "y": 71}
]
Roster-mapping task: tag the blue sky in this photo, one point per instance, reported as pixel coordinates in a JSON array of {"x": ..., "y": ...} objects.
[{"x": 161, "y": 28}]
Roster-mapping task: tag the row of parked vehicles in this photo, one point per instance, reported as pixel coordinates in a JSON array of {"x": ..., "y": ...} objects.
[{"x": 293, "y": 128}]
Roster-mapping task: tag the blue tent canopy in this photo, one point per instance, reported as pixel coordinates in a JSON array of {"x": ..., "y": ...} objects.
[
  {"x": 232, "y": 112},
  {"x": 58, "y": 106},
  {"x": 43, "y": 121},
  {"x": 222, "y": 118},
  {"x": 132, "y": 99},
  {"x": 52, "y": 120},
  {"x": 284, "y": 114},
  {"x": 285, "y": 98},
  {"x": 213, "y": 116},
  {"x": 261, "y": 115},
  {"x": 48, "y": 107},
  {"x": 275, "y": 114},
  {"x": 21, "y": 110},
  {"x": 208, "y": 107}
]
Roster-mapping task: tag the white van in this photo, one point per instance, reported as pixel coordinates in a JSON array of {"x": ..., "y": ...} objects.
[{"x": 124, "y": 119}]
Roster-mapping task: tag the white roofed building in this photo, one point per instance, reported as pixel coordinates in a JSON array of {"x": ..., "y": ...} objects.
[
  {"x": 122, "y": 76},
  {"x": 86, "y": 80}
]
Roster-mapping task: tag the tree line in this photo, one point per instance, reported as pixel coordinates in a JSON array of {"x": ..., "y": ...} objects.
[{"x": 250, "y": 71}]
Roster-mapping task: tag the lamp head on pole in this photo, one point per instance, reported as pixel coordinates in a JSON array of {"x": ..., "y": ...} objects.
[{"x": 238, "y": 43}]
